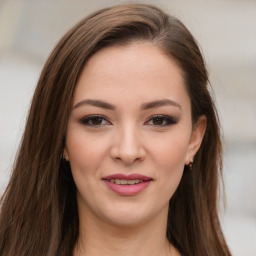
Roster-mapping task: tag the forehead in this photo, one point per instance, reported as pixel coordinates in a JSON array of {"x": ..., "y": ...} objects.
[{"x": 136, "y": 70}]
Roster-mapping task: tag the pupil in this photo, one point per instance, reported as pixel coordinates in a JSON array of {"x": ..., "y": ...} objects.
[
  {"x": 158, "y": 121},
  {"x": 97, "y": 120}
]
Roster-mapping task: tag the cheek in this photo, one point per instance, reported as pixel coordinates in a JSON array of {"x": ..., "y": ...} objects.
[
  {"x": 170, "y": 163},
  {"x": 169, "y": 157},
  {"x": 170, "y": 152},
  {"x": 84, "y": 152}
]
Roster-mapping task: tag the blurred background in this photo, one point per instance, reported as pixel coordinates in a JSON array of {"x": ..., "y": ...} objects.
[{"x": 226, "y": 32}]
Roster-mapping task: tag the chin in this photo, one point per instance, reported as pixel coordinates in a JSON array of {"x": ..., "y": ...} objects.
[
  {"x": 133, "y": 215},
  {"x": 126, "y": 219}
]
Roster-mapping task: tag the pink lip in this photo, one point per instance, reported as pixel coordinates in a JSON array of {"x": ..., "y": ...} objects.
[
  {"x": 127, "y": 190},
  {"x": 121, "y": 176}
]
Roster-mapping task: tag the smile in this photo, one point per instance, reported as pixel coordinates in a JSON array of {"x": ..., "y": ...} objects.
[
  {"x": 125, "y": 182},
  {"x": 127, "y": 185}
]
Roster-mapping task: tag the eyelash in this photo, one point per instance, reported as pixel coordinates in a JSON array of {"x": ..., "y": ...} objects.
[
  {"x": 167, "y": 119},
  {"x": 86, "y": 120},
  {"x": 89, "y": 119}
]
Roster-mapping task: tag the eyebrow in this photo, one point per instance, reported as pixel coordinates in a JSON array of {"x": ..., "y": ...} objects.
[
  {"x": 160, "y": 103},
  {"x": 95, "y": 103},
  {"x": 144, "y": 106}
]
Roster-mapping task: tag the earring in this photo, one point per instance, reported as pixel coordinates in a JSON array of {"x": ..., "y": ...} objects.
[
  {"x": 65, "y": 169},
  {"x": 191, "y": 163},
  {"x": 63, "y": 158}
]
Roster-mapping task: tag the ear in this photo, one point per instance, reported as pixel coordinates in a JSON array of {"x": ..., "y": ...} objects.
[
  {"x": 196, "y": 138},
  {"x": 65, "y": 154}
]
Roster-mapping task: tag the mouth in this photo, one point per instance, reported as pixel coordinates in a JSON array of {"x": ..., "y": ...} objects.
[
  {"x": 127, "y": 185},
  {"x": 125, "y": 182}
]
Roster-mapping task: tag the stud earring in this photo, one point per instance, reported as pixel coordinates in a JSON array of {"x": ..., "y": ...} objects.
[
  {"x": 63, "y": 158},
  {"x": 65, "y": 168},
  {"x": 191, "y": 161}
]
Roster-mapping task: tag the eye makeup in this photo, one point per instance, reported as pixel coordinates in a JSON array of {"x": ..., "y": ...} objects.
[
  {"x": 161, "y": 120},
  {"x": 157, "y": 120},
  {"x": 95, "y": 121}
]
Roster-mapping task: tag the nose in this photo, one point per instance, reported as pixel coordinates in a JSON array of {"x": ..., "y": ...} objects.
[{"x": 128, "y": 146}]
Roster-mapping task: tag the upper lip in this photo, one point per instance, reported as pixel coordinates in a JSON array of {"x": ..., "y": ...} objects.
[{"x": 133, "y": 176}]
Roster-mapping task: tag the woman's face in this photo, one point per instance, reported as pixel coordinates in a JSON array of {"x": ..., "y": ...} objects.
[{"x": 129, "y": 134}]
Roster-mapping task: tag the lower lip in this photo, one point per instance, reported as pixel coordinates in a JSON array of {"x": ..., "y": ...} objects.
[{"x": 127, "y": 190}]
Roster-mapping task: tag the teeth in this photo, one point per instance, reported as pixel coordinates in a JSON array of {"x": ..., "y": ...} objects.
[
  {"x": 131, "y": 182},
  {"x": 125, "y": 182}
]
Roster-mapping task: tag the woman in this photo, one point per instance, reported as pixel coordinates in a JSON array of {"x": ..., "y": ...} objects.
[{"x": 121, "y": 153}]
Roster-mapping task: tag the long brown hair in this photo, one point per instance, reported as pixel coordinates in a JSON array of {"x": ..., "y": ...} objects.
[{"x": 39, "y": 211}]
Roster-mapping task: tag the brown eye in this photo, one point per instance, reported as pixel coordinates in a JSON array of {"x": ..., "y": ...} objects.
[
  {"x": 158, "y": 121},
  {"x": 161, "y": 121},
  {"x": 94, "y": 121}
]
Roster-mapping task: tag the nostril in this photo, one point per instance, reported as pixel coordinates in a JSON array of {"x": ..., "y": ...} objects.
[
  {"x": 128, "y": 159},
  {"x": 127, "y": 148}
]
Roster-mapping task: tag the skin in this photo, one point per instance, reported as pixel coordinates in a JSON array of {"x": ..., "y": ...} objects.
[{"x": 129, "y": 139}]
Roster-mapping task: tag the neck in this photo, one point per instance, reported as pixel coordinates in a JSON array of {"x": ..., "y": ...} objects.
[{"x": 101, "y": 238}]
